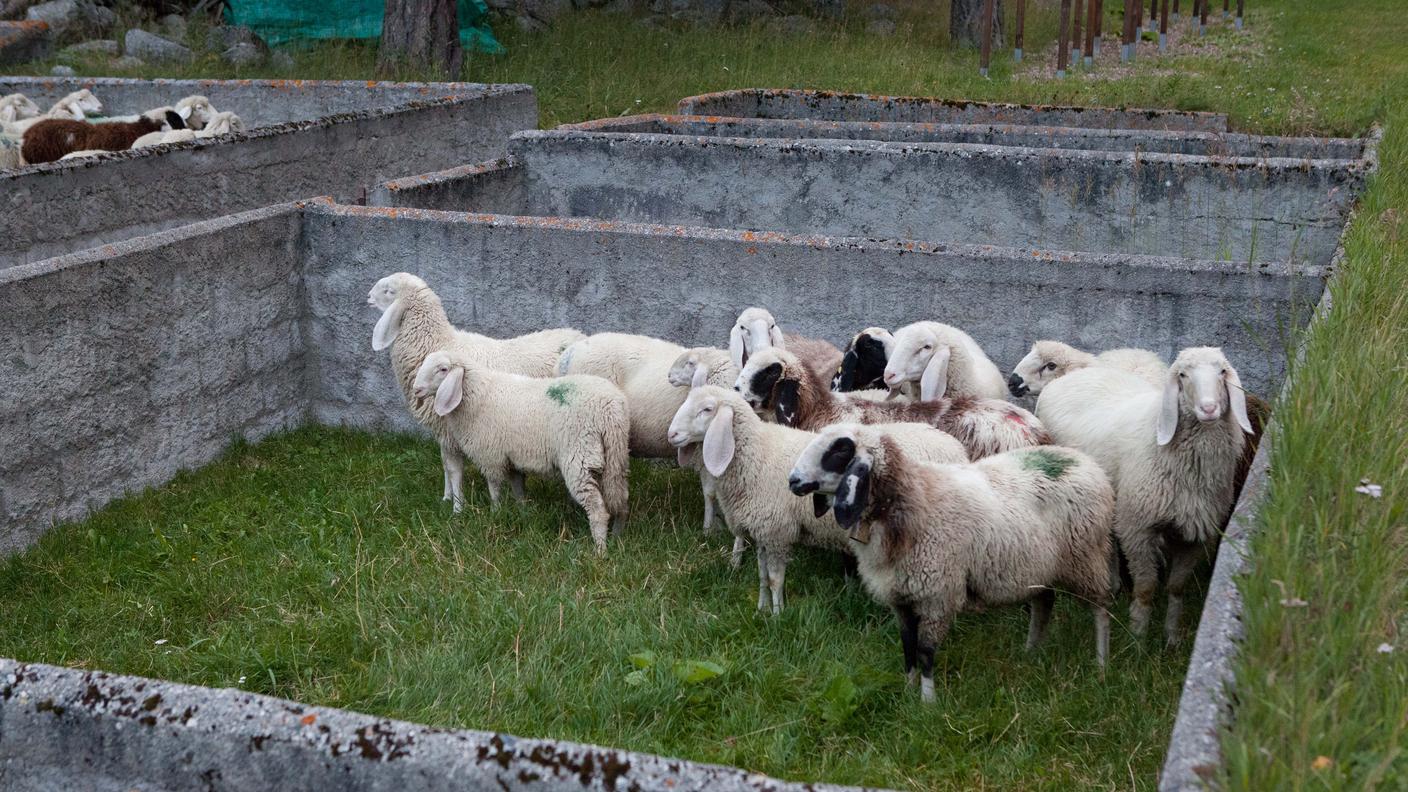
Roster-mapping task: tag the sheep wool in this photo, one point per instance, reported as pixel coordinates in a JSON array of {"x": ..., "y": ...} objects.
[
  {"x": 1050, "y": 360},
  {"x": 50, "y": 139}
]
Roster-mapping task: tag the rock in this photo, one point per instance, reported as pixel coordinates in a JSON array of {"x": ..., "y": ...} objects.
[
  {"x": 100, "y": 19},
  {"x": 62, "y": 71},
  {"x": 502, "y": 5},
  {"x": 688, "y": 18},
  {"x": 151, "y": 47},
  {"x": 793, "y": 25},
  {"x": 59, "y": 14},
  {"x": 95, "y": 47},
  {"x": 127, "y": 62},
  {"x": 174, "y": 26},
  {"x": 881, "y": 11},
  {"x": 281, "y": 60},
  {"x": 880, "y": 27},
  {"x": 749, "y": 10},
  {"x": 833, "y": 9},
  {"x": 528, "y": 24},
  {"x": 25, "y": 41},
  {"x": 544, "y": 10},
  {"x": 220, "y": 38},
  {"x": 243, "y": 55}
]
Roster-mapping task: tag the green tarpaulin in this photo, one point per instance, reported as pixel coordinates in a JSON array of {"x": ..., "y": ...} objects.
[{"x": 279, "y": 21}]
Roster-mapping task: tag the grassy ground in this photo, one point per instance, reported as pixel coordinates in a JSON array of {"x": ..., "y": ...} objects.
[{"x": 319, "y": 566}]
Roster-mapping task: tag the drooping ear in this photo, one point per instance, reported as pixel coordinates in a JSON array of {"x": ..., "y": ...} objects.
[
  {"x": 934, "y": 380},
  {"x": 785, "y": 396},
  {"x": 388, "y": 326},
  {"x": 1168, "y": 411},
  {"x": 775, "y": 336},
  {"x": 821, "y": 504},
  {"x": 184, "y": 112},
  {"x": 718, "y": 442},
  {"x": 701, "y": 376},
  {"x": 450, "y": 392},
  {"x": 685, "y": 455},
  {"x": 736, "y": 351},
  {"x": 852, "y": 496},
  {"x": 846, "y": 372},
  {"x": 175, "y": 120},
  {"x": 764, "y": 384},
  {"x": 1237, "y": 399}
]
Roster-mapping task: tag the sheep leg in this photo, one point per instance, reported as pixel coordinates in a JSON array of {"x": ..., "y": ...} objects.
[
  {"x": 494, "y": 482},
  {"x": 1141, "y": 549},
  {"x": 762, "y": 576},
  {"x": 735, "y": 559},
  {"x": 1182, "y": 560},
  {"x": 933, "y": 626},
  {"x": 588, "y": 496},
  {"x": 1040, "y": 606},
  {"x": 777, "y": 573},
  {"x": 909, "y": 642},
  {"x": 706, "y": 484},
  {"x": 515, "y": 484},
  {"x": 1102, "y": 635},
  {"x": 452, "y": 460}
]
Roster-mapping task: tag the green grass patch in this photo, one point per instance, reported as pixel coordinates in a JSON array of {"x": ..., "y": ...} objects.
[{"x": 322, "y": 566}]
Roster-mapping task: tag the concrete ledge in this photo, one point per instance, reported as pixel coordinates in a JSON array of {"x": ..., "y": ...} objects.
[
  {"x": 62, "y": 729},
  {"x": 1153, "y": 141},
  {"x": 833, "y": 106},
  {"x": 493, "y": 186}
]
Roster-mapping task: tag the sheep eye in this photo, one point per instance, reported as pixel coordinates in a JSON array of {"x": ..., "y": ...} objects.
[
  {"x": 1224, "y": 372},
  {"x": 1182, "y": 375},
  {"x": 1049, "y": 367}
]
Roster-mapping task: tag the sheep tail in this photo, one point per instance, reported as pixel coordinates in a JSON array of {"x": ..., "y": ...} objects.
[{"x": 616, "y": 463}]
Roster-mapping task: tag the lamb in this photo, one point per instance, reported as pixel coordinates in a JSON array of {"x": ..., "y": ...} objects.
[
  {"x": 413, "y": 323},
  {"x": 696, "y": 367},
  {"x": 72, "y": 107},
  {"x": 1050, "y": 360},
  {"x": 756, "y": 329},
  {"x": 52, "y": 138},
  {"x": 508, "y": 424},
  {"x": 945, "y": 361},
  {"x": 777, "y": 384},
  {"x": 1173, "y": 454},
  {"x": 748, "y": 458},
  {"x": 17, "y": 107},
  {"x": 933, "y": 539}
]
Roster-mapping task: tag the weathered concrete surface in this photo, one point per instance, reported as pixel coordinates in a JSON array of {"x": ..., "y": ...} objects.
[
  {"x": 496, "y": 187},
  {"x": 61, "y": 207},
  {"x": 1207, "y": 144},
  {"x": 125, "y": 364},
  {"x": 832, "y": 106},
  {"x": 63, "y": 729},
  {"x": 22, "y": 41},
  {"x": 1234, "y": 209}
]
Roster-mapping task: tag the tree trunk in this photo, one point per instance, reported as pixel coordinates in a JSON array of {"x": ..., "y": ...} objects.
[
  {"x": 422, "y": 34},
  {"x": 965, "y": 23}
]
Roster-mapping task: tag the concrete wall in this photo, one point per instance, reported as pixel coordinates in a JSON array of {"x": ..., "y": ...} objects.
[
  {"x": 61, "y": 207},
  {"x": 126, "y": 364},
  {"x": 62, "y": 729},
  {"x": 497, "y": 186},
  {"x": 1213, "y": 144},
  {"x": 832, "y": 106},
  {"x": 1236, "y": 210}
]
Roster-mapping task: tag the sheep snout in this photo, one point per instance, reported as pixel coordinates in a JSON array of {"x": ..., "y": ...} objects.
[{"x": 1016, "y": 385}]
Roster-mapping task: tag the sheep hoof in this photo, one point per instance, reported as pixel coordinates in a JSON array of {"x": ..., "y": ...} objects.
[{"x": 926, "y": 690}]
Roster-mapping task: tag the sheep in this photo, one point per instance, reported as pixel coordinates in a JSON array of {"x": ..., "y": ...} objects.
[
  {"x": 756, "y": 329},
  {"x": 777, "y": 384},
  {"x": 1049, "y": 360},
  {"x": 52, "y": 138},
  {"x": 944, "y": 360},
  {"x": 747, "y": 458},
  {"x": 863, "y": 361},
  {"x": 69, "y": 108},
  {"x": 510, "y": 424},
  {"x": 83, "y": 154},
  {"x": 933, "y": 539},
  {"x": 413, "y": 324},
  {"x": 693, "y": 368},
  {"x": 1173, "y": 454},
  {"x": 17, "y": 107},
  {"x": 157, "y": 138},
  {"x": 197, "y": 111},
  {"x": 220, "y": 124}
]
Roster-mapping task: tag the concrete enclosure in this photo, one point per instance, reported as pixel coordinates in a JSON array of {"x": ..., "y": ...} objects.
[
  {"x": 308, "y": 139},
  {"x": 1242, "y": 210}
]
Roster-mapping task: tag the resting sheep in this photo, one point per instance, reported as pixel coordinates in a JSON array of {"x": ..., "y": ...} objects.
[
  {"x": 508, "y": 424},
  {"x": 17, "y": 107},
  {"x": 749, "y": 460},
  {"x": 77, "y": 106},
  {"x": 52, "y": 138},
  {"x": 413, "y": 324},
  {"x": 1051, "y": 360},
  {"x": 777, "y": 384},
  {"x": 934, "y": 539},
  {"x": 944, "y": 360},
  {"x": 756, "y": 330},
  {"x": 220, "y": 124},
  {"x": 1172, "y": 453}
]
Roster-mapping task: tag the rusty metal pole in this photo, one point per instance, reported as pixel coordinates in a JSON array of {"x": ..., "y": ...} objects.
[
  {"x": 1163, "y": 26},
  {"x": 1226, "y": 8},
  {"x": 1175, "y": 12},
  {"x": 1203, "y": 17},
  {"x": 1063, "y": 41},
  {"x": 1239, "y": 15},
  {"x": 1127, "y": 34},
  {"x": 1099, "y": 25},
  {"x": 1017, "y": 37},
  {"x": 1076, "y": 6},
  {"x": 1091, "y": 9},
  {"x": 987, "y": 37}
]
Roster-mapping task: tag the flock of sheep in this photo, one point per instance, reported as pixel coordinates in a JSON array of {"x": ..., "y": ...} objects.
[
  {"x": 74, "y": 127},
  {"x": 949, "y": 496}
]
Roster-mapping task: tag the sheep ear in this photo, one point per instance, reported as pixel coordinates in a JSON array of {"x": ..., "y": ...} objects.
[
  {"x": 685, "y": 455},
  {"x": 174, "y": 120},
  {"x": 821, "y": 504},
  {"x": 934, "y": 381},
  {"x": 775, "y": 336},
  {"x": 388, "y": 326},
  {"x": 718, "y": 442},
  {"x": 184, "y": 112},
  {"x": 450, "y": 392},
  {"x": 701, "y": 376},
  {"x": 736, "y": 352},
  {"x": 852, "y": 496},
  {"x": 784, "y": 401},
  {"x": 1237, "y": 399},
  {"x": 1168, "y": 411}
]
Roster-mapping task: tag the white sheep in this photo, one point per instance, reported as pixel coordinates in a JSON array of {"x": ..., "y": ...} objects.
[
  {"x": 693, "y": 368},
  {"x": 1050, "y": 360},
  {"x": 74, "y": 107},
  {"x": 749, "y": 460},
  {"x": 219, "y": 124},
  {"x": 944, "y": 360},
  {"x": 932, "y": 540},
  {"x": 508, "y": 424},
  {"x": 1173, "y": 454},
  {"x": 776, "y": 384},
  {"x": 157, "y": 138},
  {"x": 17, "y": 107},
  {"x": 756, "y": 329},
  {"x": 197, "y": 111},
  {"x": 413, "y": 323}
]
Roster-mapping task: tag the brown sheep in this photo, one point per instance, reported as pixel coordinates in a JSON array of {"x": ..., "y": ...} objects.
[{"x": 50, "y": 140}]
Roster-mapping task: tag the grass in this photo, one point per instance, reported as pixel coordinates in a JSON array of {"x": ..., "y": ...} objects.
[
  {"x": 322, "y": 566},
  {"x": 319, "y": 565}
]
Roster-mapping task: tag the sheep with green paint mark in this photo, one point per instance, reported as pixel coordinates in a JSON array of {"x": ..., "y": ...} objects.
[
  {"x": 508, "y": 425},
  {"x": 932, "y": 540}
]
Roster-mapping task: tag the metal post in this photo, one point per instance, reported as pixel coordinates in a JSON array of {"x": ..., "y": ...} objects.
[
  {"x": 1239, "y": 14},
  {"x": 1127, "y": 31},
  {"x": 1226, "y": 9},
  {"x": 1091, "y": 9},
  {"x": 1099, "y": 25},
  {"x": 1163, "y": 26},
  {"x": 1203, "y": 16},
  {"x": 1063, "y": 41},
  {"x": 1075, "y": 32},
  {"x": 987, "y": 36},
  {"x": 1017, "y": 37},
  {"x": 1175, "y": 11}
]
